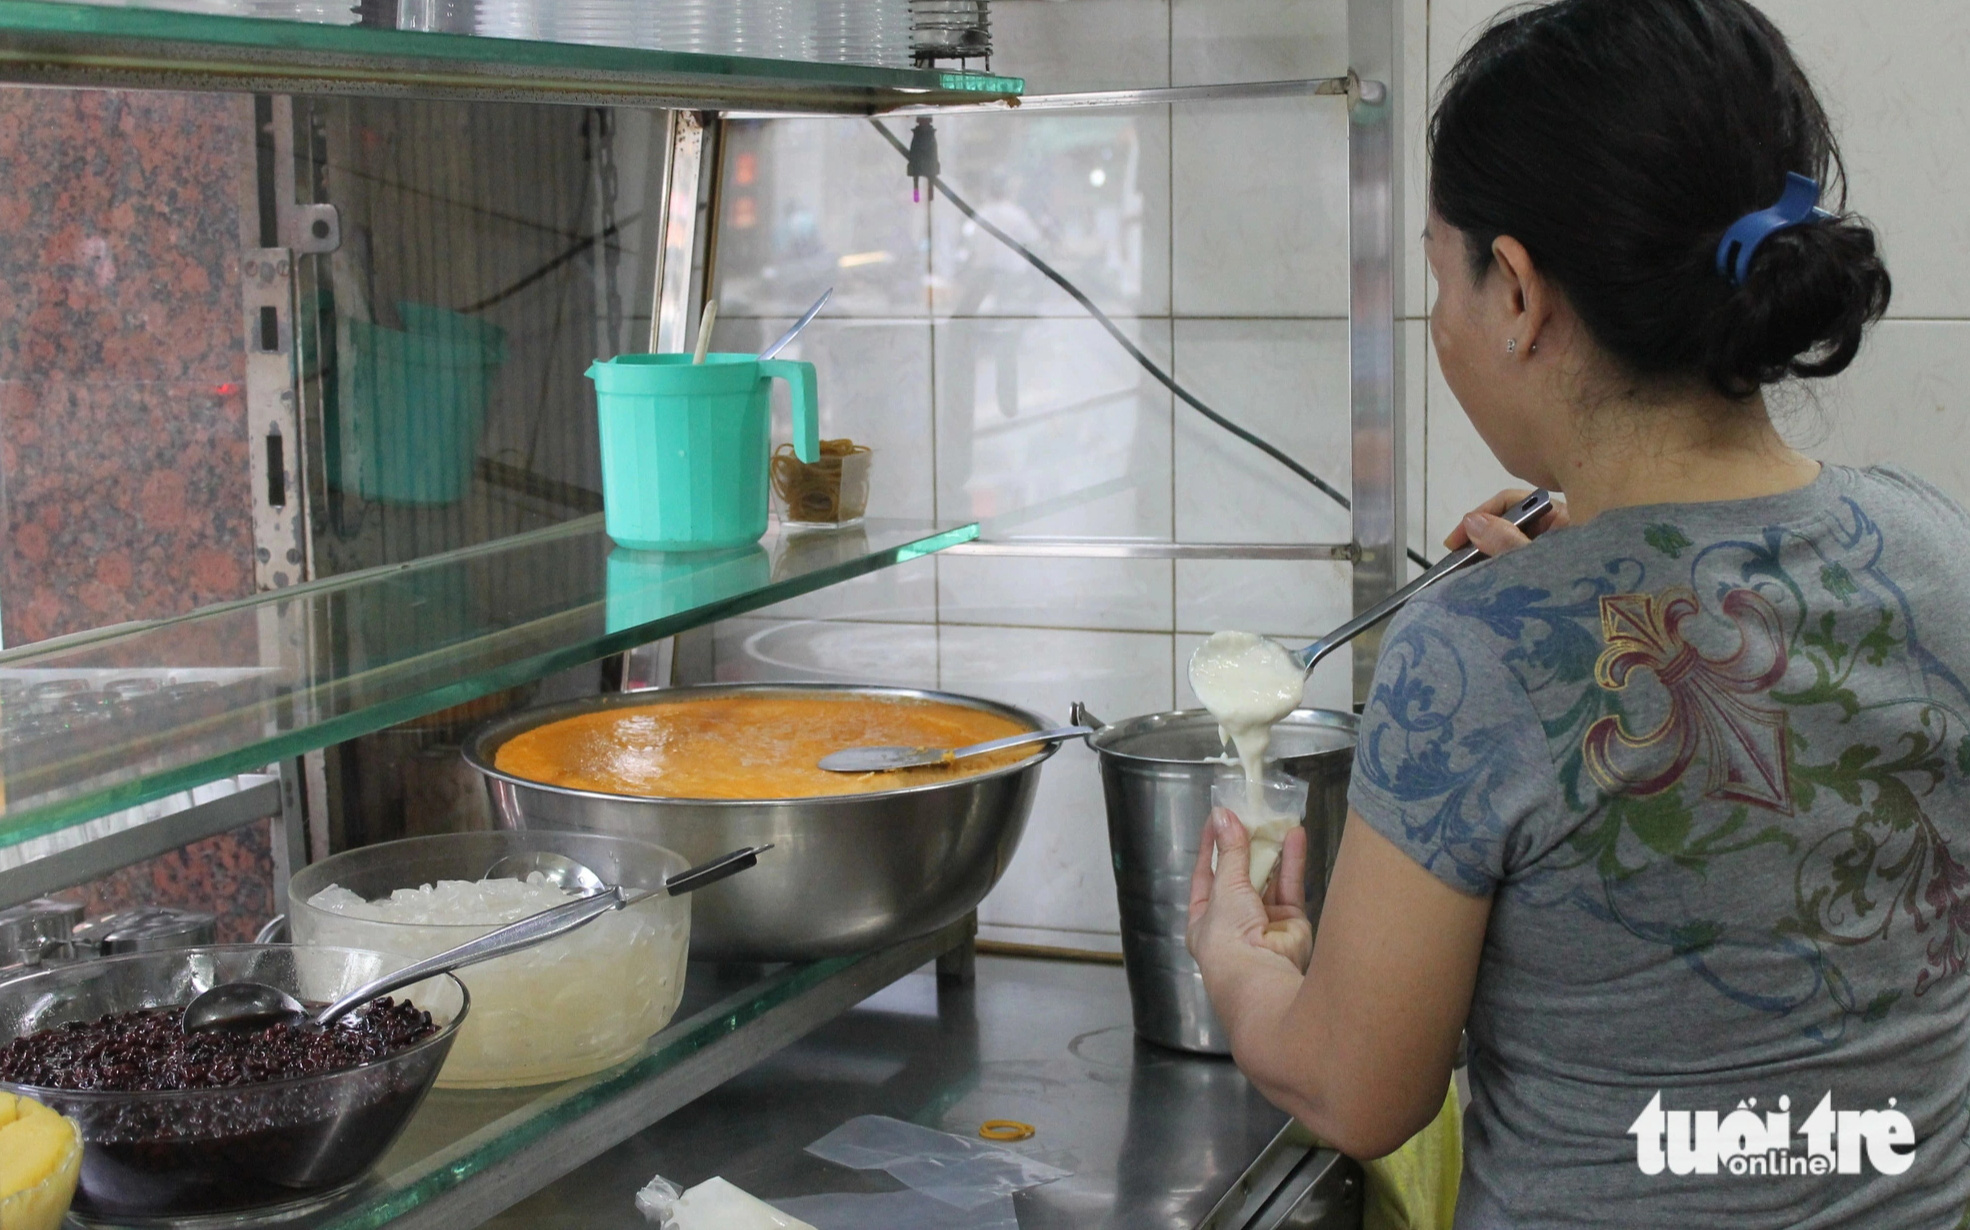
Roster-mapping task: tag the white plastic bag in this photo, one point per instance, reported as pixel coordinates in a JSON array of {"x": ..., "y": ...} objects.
[{"x": 712, "y": 1205}]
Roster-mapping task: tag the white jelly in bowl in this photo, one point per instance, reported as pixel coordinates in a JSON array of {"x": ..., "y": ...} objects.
[{"x": 574, "y": 1005}]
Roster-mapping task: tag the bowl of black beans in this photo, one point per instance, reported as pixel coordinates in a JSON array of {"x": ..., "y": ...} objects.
[{"x": 179, "y": 1128}]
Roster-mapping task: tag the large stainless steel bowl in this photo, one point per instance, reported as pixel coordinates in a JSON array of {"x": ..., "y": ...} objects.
[{"x": 847, "y": 873}]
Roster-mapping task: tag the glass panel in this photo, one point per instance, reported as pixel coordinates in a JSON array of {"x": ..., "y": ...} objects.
[
  {"x": 458, "y": 1134},
  {"x": 444, "y": 357},
  {"x": 109, "y": 719},
  {"x": 115, "y": 46}
]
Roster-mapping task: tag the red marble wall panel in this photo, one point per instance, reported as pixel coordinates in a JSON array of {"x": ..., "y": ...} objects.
[
  {"x": 123, "y": 450},
  {"x": 124, "y": 501}
]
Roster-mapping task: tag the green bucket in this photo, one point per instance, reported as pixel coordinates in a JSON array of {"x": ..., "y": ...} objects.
[
  {"x": 685, "y": 447},
  {"x": 417, "y": 405}
]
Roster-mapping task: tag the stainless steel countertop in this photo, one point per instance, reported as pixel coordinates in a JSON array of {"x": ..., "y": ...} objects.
[{"x": 1153, "y": 1137}]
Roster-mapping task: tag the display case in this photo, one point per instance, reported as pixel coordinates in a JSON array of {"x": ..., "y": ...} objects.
[{"x": 120, "y": 743}]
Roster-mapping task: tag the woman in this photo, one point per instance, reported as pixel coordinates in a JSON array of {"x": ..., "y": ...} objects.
[{"x": 1667, "y": 809}]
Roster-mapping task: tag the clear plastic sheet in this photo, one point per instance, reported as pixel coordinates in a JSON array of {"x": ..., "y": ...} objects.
[{"x": 964, "y": 1174}]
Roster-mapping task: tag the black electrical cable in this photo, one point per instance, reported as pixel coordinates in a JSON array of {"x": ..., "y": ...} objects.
[{"x": 1149, "y": 365}]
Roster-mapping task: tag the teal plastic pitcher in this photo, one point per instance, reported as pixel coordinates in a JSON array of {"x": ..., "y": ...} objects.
[{"x": 685, "y": 447}]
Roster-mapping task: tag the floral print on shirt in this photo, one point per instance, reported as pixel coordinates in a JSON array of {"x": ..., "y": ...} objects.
[{"x": 1711, "y": 710}]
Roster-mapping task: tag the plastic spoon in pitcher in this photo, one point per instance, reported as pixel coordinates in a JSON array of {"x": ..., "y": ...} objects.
[
  {"x": 255, "y": 1005},
  {"x": 798, "y": 325},
  {"x": 885, "y": 759},
  {"x": 704, "y": 331}
]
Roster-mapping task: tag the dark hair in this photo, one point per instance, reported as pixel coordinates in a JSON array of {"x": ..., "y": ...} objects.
[{"x": 1618, "y": 140}]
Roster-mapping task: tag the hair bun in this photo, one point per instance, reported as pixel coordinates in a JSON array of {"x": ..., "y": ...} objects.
[
  {"x": 1618, "y": 141},
  {"x": 1810, "y": 295}
]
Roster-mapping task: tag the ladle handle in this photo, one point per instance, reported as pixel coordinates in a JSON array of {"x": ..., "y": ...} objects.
[
  {"x": 717, "y": 869},
  {"x": 1032, "y": 736},
  {"x": 534, "y": 929},
  {"x": 1523, "y": 513}
]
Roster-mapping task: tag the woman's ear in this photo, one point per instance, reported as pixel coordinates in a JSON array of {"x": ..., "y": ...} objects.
[{"x": 1527, "y": 299}]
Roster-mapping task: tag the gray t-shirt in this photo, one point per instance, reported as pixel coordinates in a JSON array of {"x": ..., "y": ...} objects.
[{"x": 1712, "y": 762}]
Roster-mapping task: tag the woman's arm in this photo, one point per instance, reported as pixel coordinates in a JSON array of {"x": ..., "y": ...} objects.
[{"x": 1359, "y": 1047}]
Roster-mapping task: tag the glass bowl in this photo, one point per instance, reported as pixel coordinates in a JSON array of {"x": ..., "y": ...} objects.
[
  {"x": 200, "y": 1156},
  {"x": 574, "y": 1005}
]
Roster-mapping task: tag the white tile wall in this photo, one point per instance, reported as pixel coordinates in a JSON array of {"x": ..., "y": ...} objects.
[
  {"x": 1051, "y": 420},
  {"x": 1217, "y": 234},
  {"x": 1214, "y": 41},
  {"x": 906, "y": 593},
  {"x": 1286, "y": 381},
  {"x": 1089, "y": 192},
  {"x": 1086, "y": 45},
  {"x": 816, "y": 203},
  {"x": 1060, "y": 878},
  {"x": 753, "y": 649},
  {"x": 1906, "y": 401},
  {"x": 1260, "y": 208},
  {"x": 1892, "y": 75}
]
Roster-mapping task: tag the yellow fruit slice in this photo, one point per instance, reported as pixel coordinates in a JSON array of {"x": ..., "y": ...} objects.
[
  {"x": 7, "y": 1112},
  {"x": 37, "y": 1139},
  {"x": 32, "y": 1147}
]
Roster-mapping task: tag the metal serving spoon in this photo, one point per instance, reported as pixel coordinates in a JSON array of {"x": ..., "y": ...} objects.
[
  {"x": 255, "y": 1005},
  {"x": 1521, "y": 514},
  {"x": 885, "y": 759},
  {"x": 798, "y": 325},
  {"x": 571, "y": 876}
]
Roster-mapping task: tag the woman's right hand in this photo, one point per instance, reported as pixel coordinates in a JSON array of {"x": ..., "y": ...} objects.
[{"x": 1485, "y": 527}]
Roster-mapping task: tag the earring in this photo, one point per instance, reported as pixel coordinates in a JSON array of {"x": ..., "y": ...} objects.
[
  {"x": 1511, "y": 345},
  {"x": 1532, "y": 349}
]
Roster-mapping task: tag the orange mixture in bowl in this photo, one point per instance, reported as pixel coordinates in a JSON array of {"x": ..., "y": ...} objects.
[{"x": 750, "y": 747}]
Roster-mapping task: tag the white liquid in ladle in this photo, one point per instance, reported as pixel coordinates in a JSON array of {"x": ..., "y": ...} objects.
[{"x": 1249, "y": 683}]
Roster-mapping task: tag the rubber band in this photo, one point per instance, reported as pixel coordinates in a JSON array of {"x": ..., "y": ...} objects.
[{"x": 1006, "y": 1130}]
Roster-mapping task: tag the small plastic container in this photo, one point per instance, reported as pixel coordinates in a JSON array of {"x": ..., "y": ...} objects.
[
  {"x": 827, "y": 494},
  {"x": 1281, "y": 807},
  {"x": 1284, "y": 797}
]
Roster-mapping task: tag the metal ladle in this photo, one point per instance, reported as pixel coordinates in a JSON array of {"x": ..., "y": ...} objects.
[
  {"x": 571, "y": 876},
  {"x": 1521, "y": 514},
  {"x": 255, "y": 1005},
  {"x": 887, "y": 759}
]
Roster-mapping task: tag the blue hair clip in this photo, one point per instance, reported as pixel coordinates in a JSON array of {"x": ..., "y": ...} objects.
[{"x": 1798, "y": 204}]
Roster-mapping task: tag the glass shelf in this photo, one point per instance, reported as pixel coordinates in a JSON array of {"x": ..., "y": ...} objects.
[
  {"x": 106, "y": 720},
  {"x": 468, "y": 1154},
  {"x": 139, "y": 48}
]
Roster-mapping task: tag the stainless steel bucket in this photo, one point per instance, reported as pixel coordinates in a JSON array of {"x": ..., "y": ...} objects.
[{"x": 1156, "y": 772}]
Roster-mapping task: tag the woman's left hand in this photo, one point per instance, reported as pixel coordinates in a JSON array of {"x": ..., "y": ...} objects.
[{"x": 1229, "y": 924}]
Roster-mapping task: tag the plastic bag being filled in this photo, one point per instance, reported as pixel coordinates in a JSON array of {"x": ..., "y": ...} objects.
[{"x": 712, "y": 1205}]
